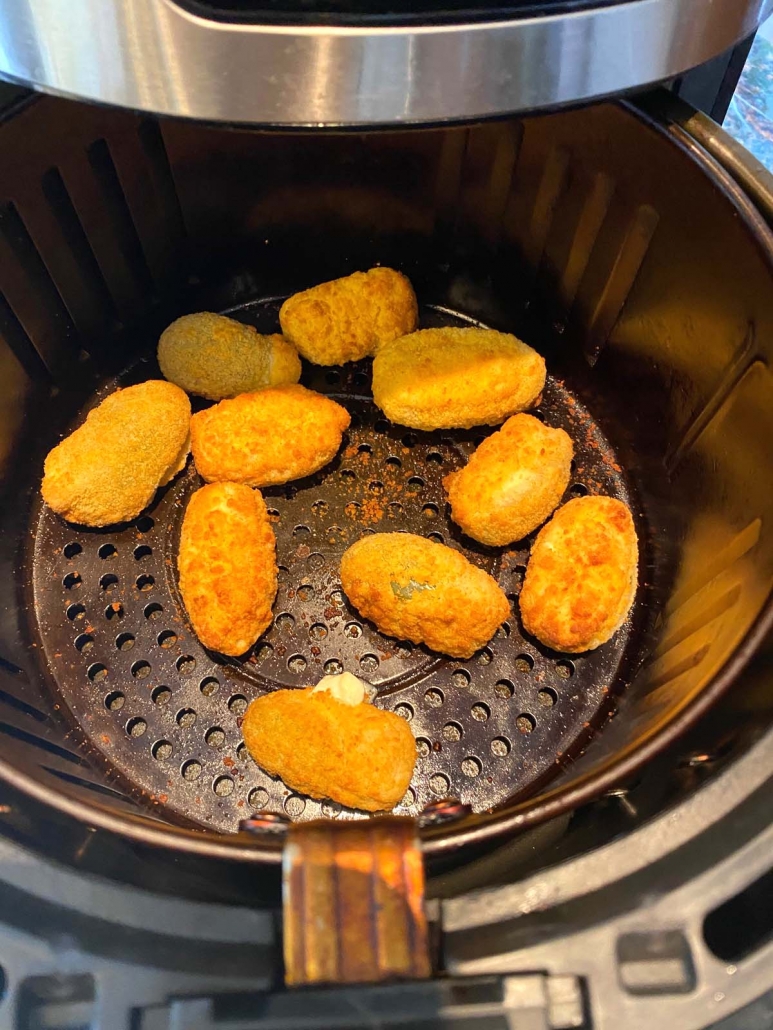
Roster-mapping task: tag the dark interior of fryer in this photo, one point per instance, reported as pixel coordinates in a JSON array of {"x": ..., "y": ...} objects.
[{"x": 615, "y": 249}]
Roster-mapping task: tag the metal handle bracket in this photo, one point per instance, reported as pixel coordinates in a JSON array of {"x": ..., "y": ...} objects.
[{"x": 353, "y": 900}]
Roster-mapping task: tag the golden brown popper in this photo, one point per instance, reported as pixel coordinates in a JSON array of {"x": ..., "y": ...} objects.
[
  {"x": 215, "y": 357},
  {"x": 267, "y": 438},
  {"x": 109, "y": 468},
  {"x": 456, "y": 378},
  {"x": 414, "y": 589},
  {"x": 512, "y": 482},
  {"x": 328, "y": 742},
  {"x": 350, "y": 318},
  {"x": 227, "y": 566},
  {"x": 580, "y": 582}
]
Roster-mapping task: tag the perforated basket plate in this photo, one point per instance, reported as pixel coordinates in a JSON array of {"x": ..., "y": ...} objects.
[{"x": 163, "y": 714}]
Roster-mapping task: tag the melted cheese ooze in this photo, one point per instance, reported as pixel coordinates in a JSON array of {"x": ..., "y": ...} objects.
[{"x": 344, "y": 687}]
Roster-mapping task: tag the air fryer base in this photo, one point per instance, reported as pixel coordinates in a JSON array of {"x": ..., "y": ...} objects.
[{"x": 598, "y": 942}]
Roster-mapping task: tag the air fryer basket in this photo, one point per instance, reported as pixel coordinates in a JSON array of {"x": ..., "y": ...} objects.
[
  {"x": 167, "y": 714},
  {"x": 611, "y": 243}
]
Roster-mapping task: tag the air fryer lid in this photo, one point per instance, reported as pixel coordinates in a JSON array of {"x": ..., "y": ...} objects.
[{"x": 357, "y": 62}]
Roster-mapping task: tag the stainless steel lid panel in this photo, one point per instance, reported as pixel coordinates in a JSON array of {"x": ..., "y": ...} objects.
[{"x": 154, "y": 55}]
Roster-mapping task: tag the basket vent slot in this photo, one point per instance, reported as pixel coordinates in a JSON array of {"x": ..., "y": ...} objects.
[
  {"x": 39, "y": 742},
  {"x": 22, "y": 706},
  {"x": 31, "y": 294},
  {"x": 21, "y": 346},
  {"x": 114, "y": 199},
  {"x": 79, "y": 248},
  {"x": 154, "y": 149},
  {"x": 620, "y": 280},
  {"x": 78, "y": 781}
]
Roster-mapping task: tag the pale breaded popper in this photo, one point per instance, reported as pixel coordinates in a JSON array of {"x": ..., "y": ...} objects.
[
  {"x": 109, "y": 468},
  {"x": 414, "y": 589},
  {"x": 267, "y": 438},
  {"x": 456, "y": 378},
  {"x": 512, "y": 482},
  {"x": 227, "y": 566},
  {"x": 328, "y": 742},
  {"x": 581, "y": 578},
  {"x": 216, "y": 357},
  {"x": 350, "y": 318}
]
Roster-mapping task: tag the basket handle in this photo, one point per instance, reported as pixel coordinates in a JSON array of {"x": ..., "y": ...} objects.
[{"x": 353, "y": 903}]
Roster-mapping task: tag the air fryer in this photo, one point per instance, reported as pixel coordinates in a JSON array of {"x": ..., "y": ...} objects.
[
  {"x": 581, "y": 828},
  {"x": 606, "y": 237}
]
